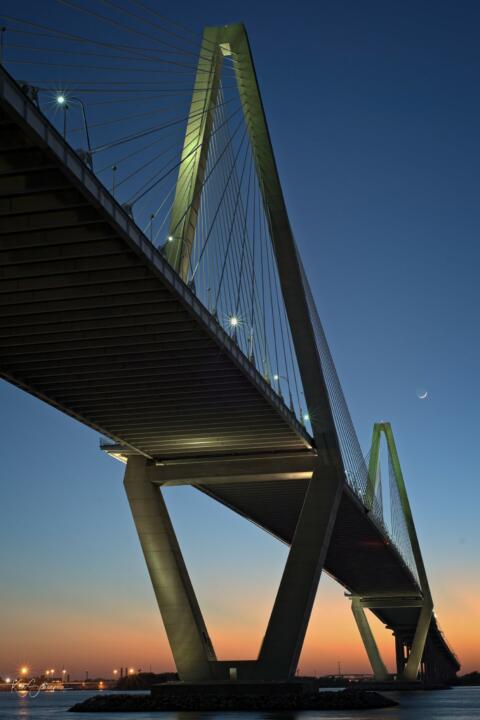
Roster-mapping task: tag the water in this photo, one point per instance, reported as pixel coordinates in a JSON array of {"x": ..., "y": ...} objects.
[{"x": 456, "y": 704}]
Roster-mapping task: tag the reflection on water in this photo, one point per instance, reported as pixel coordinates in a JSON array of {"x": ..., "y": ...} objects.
[{"x": 455, "y": 704}]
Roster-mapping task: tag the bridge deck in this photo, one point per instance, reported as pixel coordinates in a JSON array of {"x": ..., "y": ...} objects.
[{"x": 94, "y": 322}]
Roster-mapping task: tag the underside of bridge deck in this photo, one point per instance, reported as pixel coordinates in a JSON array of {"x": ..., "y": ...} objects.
[{"x": 94, "y": 321}]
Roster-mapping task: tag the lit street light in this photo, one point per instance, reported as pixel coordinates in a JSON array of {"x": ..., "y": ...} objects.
[
  {"x": 64, "y": 102},
  {"x": 277, "y": 379}
]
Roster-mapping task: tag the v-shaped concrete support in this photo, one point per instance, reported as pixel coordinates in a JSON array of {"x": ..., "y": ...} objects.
[{"x": 186, "y": 630}]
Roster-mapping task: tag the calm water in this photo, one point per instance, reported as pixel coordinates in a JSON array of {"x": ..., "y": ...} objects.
[{"x": 455, "y": 704}]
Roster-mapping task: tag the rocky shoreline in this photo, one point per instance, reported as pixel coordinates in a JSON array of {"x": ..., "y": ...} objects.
[{"x": 341, "y": 700}]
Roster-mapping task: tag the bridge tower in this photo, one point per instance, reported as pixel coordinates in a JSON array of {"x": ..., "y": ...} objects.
[
  {"x": 409, "y": 645},
  {"x": 284, "y": 636}
]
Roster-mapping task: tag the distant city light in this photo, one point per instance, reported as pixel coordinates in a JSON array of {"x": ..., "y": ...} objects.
[
  {"x": 8, "y": 680},
  {"x": 131, "y": 671},
  {"x": 115, "y": 672},
  {"x": 233, "y": 320},
  {"x": 61, "y": 99},
  {"x": 24, "y": 670}
]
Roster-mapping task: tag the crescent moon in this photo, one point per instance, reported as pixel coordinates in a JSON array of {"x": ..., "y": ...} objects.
[{"x": 423, "y": 396}]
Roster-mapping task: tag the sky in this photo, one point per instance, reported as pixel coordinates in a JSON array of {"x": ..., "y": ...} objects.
[{"x": 374, "y": 113}]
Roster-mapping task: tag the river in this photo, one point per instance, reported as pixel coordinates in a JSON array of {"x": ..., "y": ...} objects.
[{"x": 460, "y": 703}]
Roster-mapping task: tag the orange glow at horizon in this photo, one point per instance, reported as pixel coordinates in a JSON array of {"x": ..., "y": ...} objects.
[{"x": 103, "y": 640}]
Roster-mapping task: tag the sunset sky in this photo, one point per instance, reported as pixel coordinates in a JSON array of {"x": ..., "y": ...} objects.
[{"x": 374, "y": 113}]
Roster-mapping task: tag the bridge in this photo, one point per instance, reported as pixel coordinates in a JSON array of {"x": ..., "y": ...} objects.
[{"x": 198, "y": 352}]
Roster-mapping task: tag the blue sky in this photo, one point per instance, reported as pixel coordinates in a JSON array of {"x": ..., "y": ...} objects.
[{"x": 374, "y": 114}]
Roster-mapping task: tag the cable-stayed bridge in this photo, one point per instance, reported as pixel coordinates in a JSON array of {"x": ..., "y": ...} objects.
[{"x": 151, "y": 288}]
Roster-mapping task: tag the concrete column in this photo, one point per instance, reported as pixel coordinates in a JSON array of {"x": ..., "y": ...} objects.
[
  {"x": 288, "y": 622},
  {"x": 379, "y": 670},
  {"x": 399, "y": 654},
  {"x": 410, "y": 672},
  {"x": 184, "y": 624}
]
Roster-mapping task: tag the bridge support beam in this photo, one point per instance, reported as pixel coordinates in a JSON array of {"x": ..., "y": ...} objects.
[
  {"x": 186, "y": 630},
  {"x": 380, "y": 671},
  {"x": 399, "y": 653},
  {"x": 283, "y": 641},
  {"x": 411, "y": 669}
]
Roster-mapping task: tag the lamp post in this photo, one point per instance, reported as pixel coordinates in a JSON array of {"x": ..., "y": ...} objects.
[
  {"x": 305, "y": 416},
  {"x": 277, "y": 379},
  {"x": 62, "y": 101},
  {"x": 65, "y": 102}
]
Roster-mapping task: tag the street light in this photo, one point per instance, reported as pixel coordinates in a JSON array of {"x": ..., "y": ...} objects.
[
  {"x": 64, "y": 102},
  {"x": 277, "y": 379}
]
